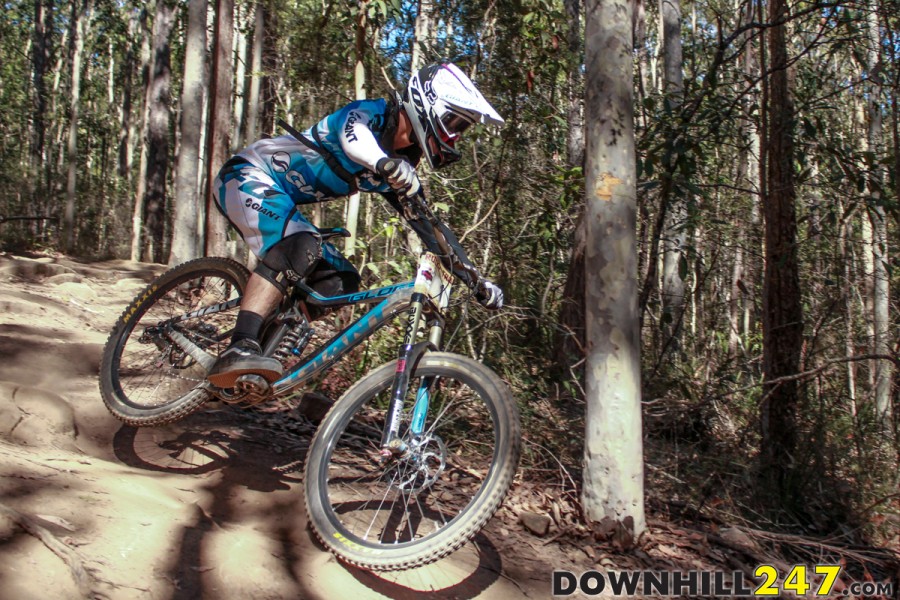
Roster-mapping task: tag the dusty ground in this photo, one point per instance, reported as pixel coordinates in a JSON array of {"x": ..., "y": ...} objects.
[
  {"x": 208, "y": 508},
  {"x": 212, "y": 507}
]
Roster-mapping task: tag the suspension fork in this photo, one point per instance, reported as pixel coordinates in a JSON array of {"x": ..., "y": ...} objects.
[{"x": 407, "y": 358}]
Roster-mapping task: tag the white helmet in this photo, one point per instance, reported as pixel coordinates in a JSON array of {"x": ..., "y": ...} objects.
[{"x": 441, "y": 103}]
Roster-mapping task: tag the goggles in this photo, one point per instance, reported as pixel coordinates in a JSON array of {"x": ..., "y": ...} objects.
[{"x": 452, "y": 126}]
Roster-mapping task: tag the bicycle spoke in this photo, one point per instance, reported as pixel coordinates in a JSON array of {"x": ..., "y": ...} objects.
[
  {"x": 412, "y": 497},
  {"x": 150, "y": 375}
]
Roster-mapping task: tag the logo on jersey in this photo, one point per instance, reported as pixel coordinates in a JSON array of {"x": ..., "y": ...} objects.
[
  {"x": 300, "y": 183},
  {"x": 349, "y": 134},
  {"x": 281, "y": 161}
]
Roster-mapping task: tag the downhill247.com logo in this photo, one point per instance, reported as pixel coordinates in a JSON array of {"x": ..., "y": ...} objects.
[{"x": 818, "y": 580}]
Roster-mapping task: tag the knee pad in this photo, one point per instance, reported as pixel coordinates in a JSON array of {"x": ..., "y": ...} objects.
[{"x": 290, "y": 259}]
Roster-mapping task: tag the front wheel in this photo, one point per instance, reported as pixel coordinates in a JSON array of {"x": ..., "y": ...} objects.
[
  {"x": 427, "y": 502},
  {"x": 145, "y": 378}
]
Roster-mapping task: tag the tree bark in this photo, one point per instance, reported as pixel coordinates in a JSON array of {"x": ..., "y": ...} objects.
[
  {"x": 782, "y": 309},
  {"x": 193, "y": 92},
  {"x": 421, "y": 55},
  {"x": 570, "y": 340},
  {"x": 674, "y": 233},
  {"x": 159, "y": 118},
  {"x": 125, "y": 124},
  {"x": 137, "y": 219},
  {"x": 79, "y": 22},
  {"x": 574, "y": 85},
  {"x": 40, "y": 48},
  {"x": 881, "y": 291},
  {"x": 219, "y": 123},
  {"x": 613, "y": 470},
  {"x": 251, "y": 131},
  {"x": 421, "y": 50},
  {"x": 359, "y": 85}
]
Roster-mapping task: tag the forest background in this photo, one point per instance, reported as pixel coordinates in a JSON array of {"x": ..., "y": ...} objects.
[{"x": 766, "y": 207}]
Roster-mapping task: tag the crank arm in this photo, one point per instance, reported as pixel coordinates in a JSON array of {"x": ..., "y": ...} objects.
[{"x": 191, "y": 349}]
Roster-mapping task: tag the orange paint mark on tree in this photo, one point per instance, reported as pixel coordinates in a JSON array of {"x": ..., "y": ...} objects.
[{"x": 604, "y": 188}]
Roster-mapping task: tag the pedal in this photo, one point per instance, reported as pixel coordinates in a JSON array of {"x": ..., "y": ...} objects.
[{"x": 252, "y": 384}]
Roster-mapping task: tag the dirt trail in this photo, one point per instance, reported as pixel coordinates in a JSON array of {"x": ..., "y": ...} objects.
[{"x": 208, "y": 508}]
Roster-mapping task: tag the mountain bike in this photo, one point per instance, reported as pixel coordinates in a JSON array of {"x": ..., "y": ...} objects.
[{"x": 410, "y": 462}]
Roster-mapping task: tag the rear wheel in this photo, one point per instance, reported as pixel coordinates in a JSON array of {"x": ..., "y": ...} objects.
[
  {"x": 145, "y": 378},
  {"x": 424, "y": 504}
]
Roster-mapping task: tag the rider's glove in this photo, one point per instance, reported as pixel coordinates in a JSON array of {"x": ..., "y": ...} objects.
[
  {"x": 400, "y": 175},
  {"x": 489, "y": 294}
]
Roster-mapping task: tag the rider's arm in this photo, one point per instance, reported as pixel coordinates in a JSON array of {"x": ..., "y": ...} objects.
[
  {"x": 357, "y": 140},
  {"x": 437, "y": 237}
]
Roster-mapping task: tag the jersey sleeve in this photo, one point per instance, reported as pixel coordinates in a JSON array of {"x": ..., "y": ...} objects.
[{"x": 357, "y": 140}]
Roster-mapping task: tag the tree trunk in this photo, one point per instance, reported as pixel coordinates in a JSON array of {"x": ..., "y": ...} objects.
[
  {"x": 674, "y": 232},
  {"x": 421, "y": 50},
  {"x": 159, "y": 117},
  {"x": 271, "y": 61},
  {"x": 847, "y": 313},
  {"x": 613, "y": 470},
  {"x": 125, "y": 123},
  {"x": 193, "y": 91},
  {"x": 782, "y": 309},
  {"x": 137, "y": 219},
  {"x": 881, "y": 291},
  {"x": 80, "y": 18},
  {"x": 219, "y": 123},
  {"x": 359, "y": 84},
  {"x": 575, "y": 86},
  {"x": 748, "y": 177},
  {"x": 421, "y": 54},
  {"x": 570, "y": 340},
  {"x": 251, "y": 131},
  {"x": 43, "y": 26},
  {"x": 240, "y": 77}
]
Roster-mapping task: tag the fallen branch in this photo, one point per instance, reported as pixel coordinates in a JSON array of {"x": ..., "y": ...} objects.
[{"x": 73, "y": 560}]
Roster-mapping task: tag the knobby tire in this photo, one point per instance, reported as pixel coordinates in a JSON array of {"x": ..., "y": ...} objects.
[
  {"x": 144, "y": 379},
  {"x": 342, "y": 474}
]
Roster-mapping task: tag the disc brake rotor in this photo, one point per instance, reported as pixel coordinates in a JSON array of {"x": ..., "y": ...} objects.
[{"x": 422, "y": 465}]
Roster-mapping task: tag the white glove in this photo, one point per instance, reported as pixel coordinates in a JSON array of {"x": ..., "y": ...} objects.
[
  {"x": 400, "y": 175},
  {"x": 489, "y": 294}
]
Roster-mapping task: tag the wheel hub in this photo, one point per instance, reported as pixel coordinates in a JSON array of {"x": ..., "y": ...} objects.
[{"x": 422, "y": 464}]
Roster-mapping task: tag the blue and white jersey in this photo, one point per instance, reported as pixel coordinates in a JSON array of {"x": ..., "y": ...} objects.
[{"x": 353, "y": 135}]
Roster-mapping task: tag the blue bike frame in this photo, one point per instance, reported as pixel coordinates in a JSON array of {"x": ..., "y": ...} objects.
[
  {"x": 431, "y": 289},
  {"x": 394, "y": 299}
]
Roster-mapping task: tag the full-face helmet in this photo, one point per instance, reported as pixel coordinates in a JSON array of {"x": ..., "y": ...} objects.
[{"x": 441, "y": 103}]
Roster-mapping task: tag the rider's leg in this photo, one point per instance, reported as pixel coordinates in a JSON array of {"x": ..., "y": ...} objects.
[
  {"x": 334, "y": 275},
  {"x": 268, "y": 221},
  {"x": 288, "y": 260}
]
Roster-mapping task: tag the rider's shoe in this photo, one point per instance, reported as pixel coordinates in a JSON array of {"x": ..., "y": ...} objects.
[{"x": 241, "y": 358}]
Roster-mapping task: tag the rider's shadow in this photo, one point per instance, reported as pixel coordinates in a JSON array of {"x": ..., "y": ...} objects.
[{"x": 260, "y": 451}]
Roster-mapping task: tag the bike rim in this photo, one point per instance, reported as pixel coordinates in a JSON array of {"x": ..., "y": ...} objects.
[
  {"x": 151, "y": 371},
  {"x": 426, "y": 493}
]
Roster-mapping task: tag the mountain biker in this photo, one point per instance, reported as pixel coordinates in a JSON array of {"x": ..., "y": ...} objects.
[{"x": 369, "y": 145}]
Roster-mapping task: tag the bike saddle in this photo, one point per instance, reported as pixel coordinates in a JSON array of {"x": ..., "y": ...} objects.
[{"x": 330, "y": 232}]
